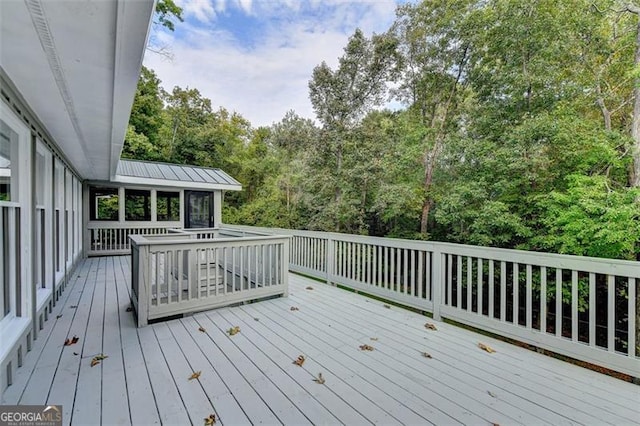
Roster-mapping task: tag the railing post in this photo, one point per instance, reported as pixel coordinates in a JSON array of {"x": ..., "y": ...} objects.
[
  {"x": 140, "y": 287},
  {"x": 437, "y": 281},
  {"x": 284, "y": 266},
  {"x": 330, "y": 259}
]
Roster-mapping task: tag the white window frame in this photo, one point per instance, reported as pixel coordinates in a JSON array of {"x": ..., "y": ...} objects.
[
  {"x": 58, "y": 179},
  {"x": 46, "y": 203},
  {"x": 12, "y": 324}
]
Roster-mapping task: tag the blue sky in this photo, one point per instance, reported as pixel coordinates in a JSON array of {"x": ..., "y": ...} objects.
[{"x": 256, "y": 56}]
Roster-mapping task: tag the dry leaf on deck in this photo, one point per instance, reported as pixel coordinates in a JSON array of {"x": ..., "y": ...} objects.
[
  {"x": 234, "y": 330},
  {"x": 492, "y": 394},
  {"x": 426, "y": 355},
  {"x": 375, "y": 339},
  {"x": 299, "y": 361},
  {"x": 430, "y": 326},
  {"x": 366, "y": 348},
  {"x": 486, "y": 348},
  {"x": 58, "y": 316},
  {"x": 319, "y": 380},
  {"x": 75, "y": 353},
  {"x": 129, "y": 309},
  {"x": 73, "y": 306},
  {"x": 96, "y": 359},
  {"x": 195, "y": 375},
  {"x": 294, "y": 308},
  {"x": 202, "y": 329},
  {"x": 387, "y": 306},
  {"x": 208, "y": 421},
  {"x": 72, "y": 341},
  {"x": 495, "y": 424},
  {"x": 309, "y": 288},
  {"x": 256, "y": 319}
]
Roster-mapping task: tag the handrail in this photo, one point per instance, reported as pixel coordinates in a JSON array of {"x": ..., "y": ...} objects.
[
  {"x": 183, "y": 273},
  {"x": 581, "y": 307}
]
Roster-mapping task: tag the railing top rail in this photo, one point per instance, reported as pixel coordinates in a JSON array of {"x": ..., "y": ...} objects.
[
  {"x": 179, "y": 239},
  {"x": 618, "y": 267},
  {"x": 104, "y": 224}
]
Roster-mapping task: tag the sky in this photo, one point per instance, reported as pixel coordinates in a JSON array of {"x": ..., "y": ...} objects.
[{"x": 256, "y": 57}]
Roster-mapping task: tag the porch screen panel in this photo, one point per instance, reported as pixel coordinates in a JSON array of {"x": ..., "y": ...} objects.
[{"x": 168, "y": 206}]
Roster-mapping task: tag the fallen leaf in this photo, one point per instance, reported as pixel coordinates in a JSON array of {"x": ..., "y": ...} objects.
[
  {"x": 426, "y": 355},
  {"x": 430, "y": 326},
  {"x": 375, "y": 339},
  {"x": 492, "y": 394},
  {"x": 75, "y": 353},
  {"x": 309, "y": 288},
  {"x": 96, "y": 359},
  {"x": 129, "y": 309},
  {"x": 319, "y": 380},
  {"x": 495, "y": 424},
  {"x": 195, "y": 375},
  {"x": 294, "y": 308},
  {"x": 386, "y": 306},
  {"x": 208, "y": 421},
  {"x": 256, "y": 319},
  {"x": 72, "y": 341},
  {"x": 233, "y": 330},
  {"x": 73, "y": 306},
  {"x": 58, "y": 316},
  {"x": 366, "y": 348},
  {"x": 486, "y": 348},
  {"x": 202, "y": 329},
  {"x": 299, "y": 361}
]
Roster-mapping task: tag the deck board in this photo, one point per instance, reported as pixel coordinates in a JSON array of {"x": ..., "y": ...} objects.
[
  {"x": 250, "y": 378},
  {"x": 580, "y": 399}
]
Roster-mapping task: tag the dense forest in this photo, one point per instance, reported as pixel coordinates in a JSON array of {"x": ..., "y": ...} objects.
[{"x": 520, "y": 128}]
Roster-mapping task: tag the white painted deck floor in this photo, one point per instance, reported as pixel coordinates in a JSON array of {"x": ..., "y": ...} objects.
[{"x": 250, "y": 378}]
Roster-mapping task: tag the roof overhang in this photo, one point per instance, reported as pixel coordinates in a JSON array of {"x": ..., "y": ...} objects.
[
  {"x": 76, "y": 64},
  {"x": 175, "y": 183},
  {"x": 174, "y": 175}
]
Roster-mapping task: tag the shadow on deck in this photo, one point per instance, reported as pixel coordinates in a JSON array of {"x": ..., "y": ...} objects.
[{"x": 250, "y": 377}]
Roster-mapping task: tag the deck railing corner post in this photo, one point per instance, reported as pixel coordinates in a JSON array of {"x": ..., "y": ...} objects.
[
  {"x": 284, "y": 266},
  {"x": 438, "y": 281}
]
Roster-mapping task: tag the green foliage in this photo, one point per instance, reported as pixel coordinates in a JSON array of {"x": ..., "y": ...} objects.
[
  {"x": 514, "y": 132},
  {"x": 166, "y": 12},
  {"x": 591, "y": 219}
]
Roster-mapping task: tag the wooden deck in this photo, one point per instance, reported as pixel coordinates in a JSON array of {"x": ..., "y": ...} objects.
[{"x": 250, "y": 377}]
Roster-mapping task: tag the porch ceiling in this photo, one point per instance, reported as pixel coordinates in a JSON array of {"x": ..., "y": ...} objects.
[{"x": 76, "y": 64}]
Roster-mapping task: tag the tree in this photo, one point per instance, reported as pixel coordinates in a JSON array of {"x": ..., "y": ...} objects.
[
  {"x": 342, "y": 97},
  {"x": 435, "y": 59}
]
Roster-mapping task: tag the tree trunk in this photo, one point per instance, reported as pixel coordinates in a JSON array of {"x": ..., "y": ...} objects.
[{"x": 634, "y": 175}]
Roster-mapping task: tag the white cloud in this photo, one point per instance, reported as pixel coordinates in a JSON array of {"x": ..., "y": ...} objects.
[
  {"x": 202, "y": 10},
  {"x": 265, "y": 81}
]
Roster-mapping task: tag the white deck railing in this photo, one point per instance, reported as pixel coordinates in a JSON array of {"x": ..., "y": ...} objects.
[
  {"x": 584, "y": 308},
  {"x": 113, "y": 238},
  {"x": 184, "y": 272}
]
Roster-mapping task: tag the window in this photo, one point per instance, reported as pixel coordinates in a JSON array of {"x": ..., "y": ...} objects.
[
  {"x": 8, "y": 163},
  {"x": 168, "y": 206},
  {"x": 137, "y": 205},
  {"x": 104, "y": 203}
]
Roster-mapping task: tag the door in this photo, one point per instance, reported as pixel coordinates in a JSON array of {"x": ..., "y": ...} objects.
[{"x": 198, "y": 209}]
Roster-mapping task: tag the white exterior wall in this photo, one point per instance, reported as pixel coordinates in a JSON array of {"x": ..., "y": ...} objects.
[{"x": 42, "y": 184}]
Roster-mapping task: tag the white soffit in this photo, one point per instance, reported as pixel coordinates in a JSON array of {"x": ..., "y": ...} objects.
[{"x": 76, "y": 64}]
